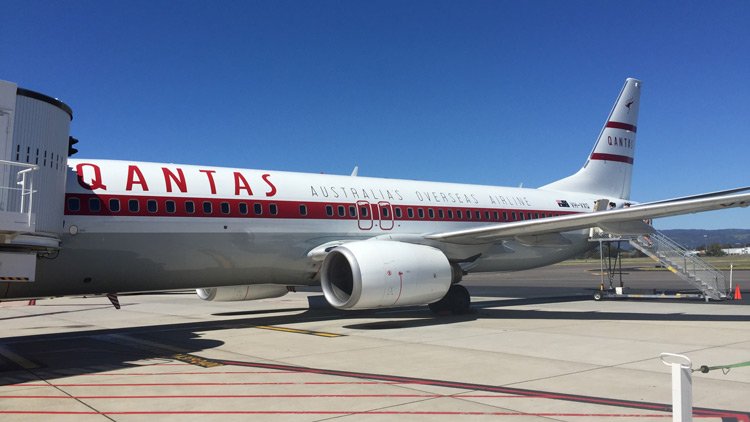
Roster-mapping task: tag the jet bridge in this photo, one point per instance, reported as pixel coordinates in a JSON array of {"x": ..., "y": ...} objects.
[{"x": 34, "y": 142}]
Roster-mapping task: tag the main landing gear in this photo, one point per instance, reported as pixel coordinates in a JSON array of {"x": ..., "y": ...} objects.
[{"x": 457, "y": 301}]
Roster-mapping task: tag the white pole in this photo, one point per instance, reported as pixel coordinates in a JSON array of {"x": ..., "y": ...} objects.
[
  {"x": 682, "y": 386},
  {"x": 731, "y": 271}
]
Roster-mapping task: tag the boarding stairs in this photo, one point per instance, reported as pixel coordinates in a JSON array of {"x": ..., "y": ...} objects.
[{"x": 688, "y": 266}]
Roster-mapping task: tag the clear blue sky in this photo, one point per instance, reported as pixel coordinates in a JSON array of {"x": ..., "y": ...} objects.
[{"x": 489, "y": 92}]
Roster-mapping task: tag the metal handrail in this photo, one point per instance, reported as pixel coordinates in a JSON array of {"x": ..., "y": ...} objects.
[{"x": 23, "y": 178}]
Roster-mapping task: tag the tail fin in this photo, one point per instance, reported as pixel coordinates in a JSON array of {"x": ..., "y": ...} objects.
[{"x": 609, "y": 168}]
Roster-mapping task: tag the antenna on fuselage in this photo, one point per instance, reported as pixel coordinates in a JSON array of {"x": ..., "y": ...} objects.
[{"x": 355, "y": 172}]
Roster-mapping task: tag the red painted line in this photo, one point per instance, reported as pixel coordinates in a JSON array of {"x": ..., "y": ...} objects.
[
  {"x": 340, "y": 412},
  {"x": 612, "y": 157},
  {"x": 180, "y": 373},
  {"x": 159, "y": 384},
  {"x": 618, "y": 125},
  {"x": 272, "y": 396}
]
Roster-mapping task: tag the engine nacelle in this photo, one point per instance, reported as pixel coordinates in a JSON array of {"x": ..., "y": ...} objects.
[
  {"x": 235, "y": 293},
  {"x": 382, "y": 274}
]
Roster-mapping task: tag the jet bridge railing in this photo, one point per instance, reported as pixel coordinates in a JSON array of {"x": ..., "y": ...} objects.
[{"x": 17, "y": 189}]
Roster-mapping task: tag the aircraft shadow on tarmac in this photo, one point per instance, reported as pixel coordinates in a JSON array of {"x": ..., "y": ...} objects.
[{"x": 100, "y": 350}]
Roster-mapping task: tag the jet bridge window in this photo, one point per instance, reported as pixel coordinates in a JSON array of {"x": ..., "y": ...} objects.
[
  {"x": 224, "y": 207},
  {"x": 258, "y": 208},
  {"x": 74, "y": 204},
  {"x": 114, "y": 205},
  {"x": 170, "y": 206},
  {"x": 273, "y": 209},
  {"x": 207, "y": 207},
  {"x": 151, "y": 205},
  {"x": 189, "y": 207},
  {"x": 95, "y": 205},
  {"x": 134, "y": 205}
]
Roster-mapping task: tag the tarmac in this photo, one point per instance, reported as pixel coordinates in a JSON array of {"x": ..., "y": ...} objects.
[{"x": 535, "y": 347}]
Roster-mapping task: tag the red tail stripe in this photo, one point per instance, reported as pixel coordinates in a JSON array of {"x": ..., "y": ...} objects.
[
  {"x": 612, "y": 157},
  {"x": 618, "y": 125}
]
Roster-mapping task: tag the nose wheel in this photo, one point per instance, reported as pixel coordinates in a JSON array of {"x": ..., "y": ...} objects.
[{"x": 456, "y": 301}]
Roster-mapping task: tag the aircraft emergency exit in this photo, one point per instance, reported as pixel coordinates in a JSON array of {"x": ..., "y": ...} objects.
[{"x": 241, "y": 234}]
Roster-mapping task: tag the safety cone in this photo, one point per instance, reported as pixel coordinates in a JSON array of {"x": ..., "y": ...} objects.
[{"x": 737, "y": 293}]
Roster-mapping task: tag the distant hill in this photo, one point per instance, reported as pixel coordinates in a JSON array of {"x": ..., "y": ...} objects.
[{"x": 697, "y": 239}]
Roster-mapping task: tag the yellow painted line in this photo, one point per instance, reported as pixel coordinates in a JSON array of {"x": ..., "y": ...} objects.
[
  {"x": 298, "y": 331},
  {"x": 17, "y": 359}
]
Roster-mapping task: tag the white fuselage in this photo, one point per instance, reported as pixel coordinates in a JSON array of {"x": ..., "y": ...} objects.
[{"x": 133, "y": 226}]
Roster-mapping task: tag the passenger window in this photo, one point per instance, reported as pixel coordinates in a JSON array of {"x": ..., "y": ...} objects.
[
  {"x": 329, "y": 210},
  {"x": 170, "y": 206},
  {"x": 303, "y": 210},
  {"x": 151, "y": 205},
  {"x": 536, "y": 215},
  {"x": 224, "y": 207},
  {"x": 431, "y": 213},
  {"x": 410, "y": 212},
  {"x": 459, "y": 214},
  {"x": 352, "y": 211},
  {"x": 74, "y": 204},
  {"x": 133, "y": 205},
  {"x": 450, "y": 214},
  {"x": 273, "y": 209},
  {"x": 486, "y": 215},
  {"x": 468, "y": 214},
  {"x": 528, "y": 216},
  {"x": 114, "y": 205},
  {"x": 190, "y": 207},
  {"x": 384, "y": 212},
  {"x": 342, "y": 210},
  {"x": 258, "y": 208},
  {"x": 243, "y": 208},
  {"x": 95, "y": 205},
  {"x": 520, "y": 216},
  {"x": 207, "y": 207},
  {"x": 505, "y": 216},
  {"x": 420, "y": 212},
  {"x": 363, "y": 210},
  {"x": 478, "y": 214},
  {"x": 496, "y": 215},
  {"x": 398, "y": 212},
  {"x": 441, "y": 214}
]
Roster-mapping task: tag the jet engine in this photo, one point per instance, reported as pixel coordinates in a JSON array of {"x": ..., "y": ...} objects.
[
  {"x": 381, "y": 274},
  {"x": 236, "y": 293}
]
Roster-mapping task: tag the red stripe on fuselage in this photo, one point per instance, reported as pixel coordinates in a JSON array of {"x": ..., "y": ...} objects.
[
  {"x": 618, "y": 125},
  {"x": 612, "y": 157},
  {"x": 292, "y": 209}
]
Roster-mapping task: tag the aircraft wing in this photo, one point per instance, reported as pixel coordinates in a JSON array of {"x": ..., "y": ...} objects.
[{"x": 622, "y": 217}]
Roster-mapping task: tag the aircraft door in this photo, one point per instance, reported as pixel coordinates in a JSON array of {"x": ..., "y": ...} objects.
[
  {"x": 364, "y": 215},
  {"x": 385, "y": 211}
]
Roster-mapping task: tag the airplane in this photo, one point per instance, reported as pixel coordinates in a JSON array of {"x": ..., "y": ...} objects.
[{"x": 244, "y": 234}]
